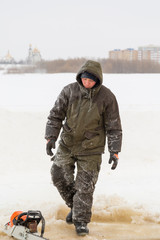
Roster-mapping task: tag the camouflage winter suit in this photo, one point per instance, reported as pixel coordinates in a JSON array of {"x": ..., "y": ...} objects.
[{"x": 89, "y": 116}]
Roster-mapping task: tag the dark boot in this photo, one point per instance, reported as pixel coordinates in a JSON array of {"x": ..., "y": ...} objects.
[
  {"x": 81, "y": 228},
  {"x": 69, "y": 218}
]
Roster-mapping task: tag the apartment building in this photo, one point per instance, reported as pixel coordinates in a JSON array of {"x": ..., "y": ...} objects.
[
  {"x": 128, "y": 54},
  {"x": 150, "y": 53}
]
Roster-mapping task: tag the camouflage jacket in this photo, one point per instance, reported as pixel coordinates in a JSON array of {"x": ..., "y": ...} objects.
[{"x": 87, "y": 116}]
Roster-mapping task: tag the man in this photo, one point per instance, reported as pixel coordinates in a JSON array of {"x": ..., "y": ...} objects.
[{"x": 90, "y": 113}]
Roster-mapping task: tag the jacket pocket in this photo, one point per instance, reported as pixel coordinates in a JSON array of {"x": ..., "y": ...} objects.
[
  {"x": 67, "y": 128},
  {"x": 92, "y": 140},
  {"x": 66, "y": 136}
]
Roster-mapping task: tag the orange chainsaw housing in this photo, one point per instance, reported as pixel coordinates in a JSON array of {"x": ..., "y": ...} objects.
[{"x": 15, "y": 216}]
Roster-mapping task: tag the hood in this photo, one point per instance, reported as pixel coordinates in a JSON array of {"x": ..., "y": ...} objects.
[{"x": 92, "y": 67}]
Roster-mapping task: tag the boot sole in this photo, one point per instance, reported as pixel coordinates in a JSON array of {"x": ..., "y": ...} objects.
[
  {"x": 69, "y": 223},
  {"x": 82, "y": 234}
]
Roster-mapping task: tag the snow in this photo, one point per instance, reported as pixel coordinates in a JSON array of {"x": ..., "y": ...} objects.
[
  {"x": 38, "y": 92},
  {"x": 131, "y": 193}
]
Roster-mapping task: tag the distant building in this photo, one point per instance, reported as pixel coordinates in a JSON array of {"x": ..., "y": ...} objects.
[
  {"x": 115, "y": 54},
  {"x": 128, "y": 54},
  {"x": 8, "y": 59},
  {"x": 34, "y": 55},
  {"x": 150, "y": 53}
]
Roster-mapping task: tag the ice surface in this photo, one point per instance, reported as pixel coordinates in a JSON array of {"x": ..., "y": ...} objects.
[{"x": 130, "y": 194}]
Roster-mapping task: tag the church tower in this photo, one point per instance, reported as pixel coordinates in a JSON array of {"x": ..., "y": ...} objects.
[
  {"x": 34, "y": 55},
  {"x": 30, "y": 55}
]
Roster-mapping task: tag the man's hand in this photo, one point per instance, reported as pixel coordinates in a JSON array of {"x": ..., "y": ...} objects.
[
  {"x": 113, "y": 158},
  {"x": 49, "y": 146}
]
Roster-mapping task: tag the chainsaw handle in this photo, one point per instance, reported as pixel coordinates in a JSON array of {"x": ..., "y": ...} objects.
[
  {"x": 33, "y": 214},
  {"x": 19, "y": 217}
]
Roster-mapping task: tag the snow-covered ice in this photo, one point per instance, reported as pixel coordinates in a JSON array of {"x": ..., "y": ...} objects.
[{"x": 129, "y": 194}]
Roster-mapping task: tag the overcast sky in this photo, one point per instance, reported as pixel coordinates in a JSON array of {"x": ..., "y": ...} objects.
[{"x": 77, "y": 28}]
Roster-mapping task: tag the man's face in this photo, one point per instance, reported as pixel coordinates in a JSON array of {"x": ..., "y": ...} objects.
[{"x": 88, "y": 83}]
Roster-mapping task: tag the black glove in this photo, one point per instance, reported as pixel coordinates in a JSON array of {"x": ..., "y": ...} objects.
[
  {"x": 49, "y": 146},
  {"x": 113, "y": 158}
]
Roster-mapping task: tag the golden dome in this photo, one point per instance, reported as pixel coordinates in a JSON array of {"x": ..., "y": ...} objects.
[
  {"x": 35, "y": 50},
  {"x": 8, "y": 56}
]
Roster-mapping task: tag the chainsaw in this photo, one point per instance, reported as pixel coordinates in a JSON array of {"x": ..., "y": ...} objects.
[{"x": 23, "y": 225}]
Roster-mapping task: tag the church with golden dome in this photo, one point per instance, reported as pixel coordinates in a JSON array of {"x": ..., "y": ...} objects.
[
  {"x": 34, "y": 55},
  {"x": 8, "y": 59}
]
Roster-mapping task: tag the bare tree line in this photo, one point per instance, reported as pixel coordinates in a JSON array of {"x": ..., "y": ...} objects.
[{"x": 73, "y": 65}]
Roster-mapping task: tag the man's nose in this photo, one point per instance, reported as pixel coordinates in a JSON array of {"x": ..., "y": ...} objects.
[{"x": 88, "y": 82}]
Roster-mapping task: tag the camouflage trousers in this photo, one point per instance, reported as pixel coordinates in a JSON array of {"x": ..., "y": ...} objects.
[{"x": 75, "y": 178}]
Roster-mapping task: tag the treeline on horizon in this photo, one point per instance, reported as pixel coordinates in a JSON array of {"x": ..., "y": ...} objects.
[{"x": 73, "y": 65}]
